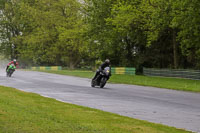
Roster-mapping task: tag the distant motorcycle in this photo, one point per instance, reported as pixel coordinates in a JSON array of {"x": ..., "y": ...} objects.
[
  {"x": 10, "y": 70},
  {"x": 102, "y": 78}
]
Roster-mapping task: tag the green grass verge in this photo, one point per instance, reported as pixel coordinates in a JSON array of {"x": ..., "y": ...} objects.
[
  {"x": 161, "y": 82},
  {"x": 22, "y": 112}
]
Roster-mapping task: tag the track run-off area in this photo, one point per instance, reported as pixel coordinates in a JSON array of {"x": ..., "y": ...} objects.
[{"x": 169, "y": 107}]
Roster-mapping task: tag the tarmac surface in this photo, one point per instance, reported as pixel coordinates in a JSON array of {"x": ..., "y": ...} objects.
[{"x": 168, "y": 107}]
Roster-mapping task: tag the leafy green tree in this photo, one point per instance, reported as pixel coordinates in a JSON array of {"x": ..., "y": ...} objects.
[
  {"x": 179, "y": 19},
  {"x": 188, "y": 18},
  {"x": 52, "y": 33},
  {"x": 150, "y": 33},
  {"x": 160, "y": 17},
  {"x": 99, "y": 33},
  {"x": 9, "y": 27},
  {"x": 128, "y": 27}
]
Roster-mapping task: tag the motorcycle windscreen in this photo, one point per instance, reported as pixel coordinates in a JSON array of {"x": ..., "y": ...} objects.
[{"x": 107, "y": 70}]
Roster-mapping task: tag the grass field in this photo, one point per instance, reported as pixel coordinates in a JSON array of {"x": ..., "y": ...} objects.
[
  {"x": 161, "y": 82},
  {"x": 22, "y": 112}
]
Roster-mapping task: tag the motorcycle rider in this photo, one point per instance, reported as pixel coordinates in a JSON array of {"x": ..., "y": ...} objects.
[
  {"x": 101, "y": 68},
  {"x": 14, "y": 62}
]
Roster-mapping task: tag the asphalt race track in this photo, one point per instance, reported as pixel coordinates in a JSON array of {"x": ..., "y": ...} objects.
[{"x": 168, "y": 107}]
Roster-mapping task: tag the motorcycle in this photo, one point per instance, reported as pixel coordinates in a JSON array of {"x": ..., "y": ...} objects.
[
  {"x": 102, "y": 78},
  {"x": 10, "y": 70}
]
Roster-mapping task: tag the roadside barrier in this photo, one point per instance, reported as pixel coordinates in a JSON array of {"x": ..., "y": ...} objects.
[
  {"x": 123, "y": 70},
  {"x": 47, "y": 68},
  {"x": 114, "y": 70},
  {"x": 179, "y": 73}
]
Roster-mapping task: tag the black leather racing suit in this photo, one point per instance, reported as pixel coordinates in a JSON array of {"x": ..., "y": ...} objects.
[{"x": 101, "y": 68}]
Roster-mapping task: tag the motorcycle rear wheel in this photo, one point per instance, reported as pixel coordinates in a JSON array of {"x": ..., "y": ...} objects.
[
  {"x": 7, "y": 74},
  {"x": 92, "y": 83}
]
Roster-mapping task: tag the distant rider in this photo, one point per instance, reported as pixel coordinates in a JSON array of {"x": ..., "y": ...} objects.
[
  {"x": 101, "y": 68},
  {"x": 14, "y": 62}
]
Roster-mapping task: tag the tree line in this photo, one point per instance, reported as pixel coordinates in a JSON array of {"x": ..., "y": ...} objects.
[{"x": 74, "y": 33}]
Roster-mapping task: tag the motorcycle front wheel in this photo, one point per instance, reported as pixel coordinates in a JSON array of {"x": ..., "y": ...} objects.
[
  {"x": 10, "y": 74},
  {"x": 103, "y": 82}
]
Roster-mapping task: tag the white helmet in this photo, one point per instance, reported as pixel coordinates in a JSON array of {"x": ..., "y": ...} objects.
[{"x": 107, "y": 61}]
